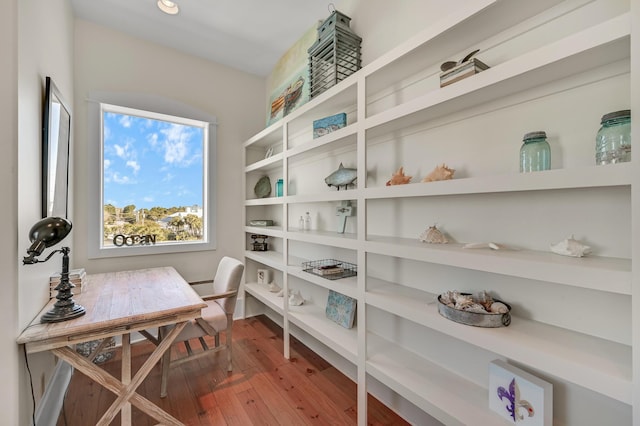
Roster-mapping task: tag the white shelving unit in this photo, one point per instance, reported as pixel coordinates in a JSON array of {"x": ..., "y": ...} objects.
[{"x": 554, "y": 65}]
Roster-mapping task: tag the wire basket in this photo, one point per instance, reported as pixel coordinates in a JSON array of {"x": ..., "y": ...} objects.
[{"x": 330, "y": 269}]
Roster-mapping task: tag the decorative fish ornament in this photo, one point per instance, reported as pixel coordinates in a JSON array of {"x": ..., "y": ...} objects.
[{"x": 341, "y": 177}]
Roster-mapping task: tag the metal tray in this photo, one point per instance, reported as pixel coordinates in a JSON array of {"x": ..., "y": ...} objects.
[{"x": 475, "y": 319}]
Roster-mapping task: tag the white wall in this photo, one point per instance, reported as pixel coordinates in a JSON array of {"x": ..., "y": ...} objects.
[
  {"x": 108, "y": 61},
  {"x": 44, "y": 46},
  {"x": 383, "y": 25},
  {"x": 9, "y": 355}
]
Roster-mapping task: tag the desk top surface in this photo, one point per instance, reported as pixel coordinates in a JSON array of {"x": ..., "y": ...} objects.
[{"x": 117, "y": 303}]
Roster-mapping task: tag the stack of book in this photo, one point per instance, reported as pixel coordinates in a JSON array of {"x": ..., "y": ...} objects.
[
  {"x": 328, "y": 269},
  {"x": 461, "y": 71},
  {"x": 77, "y": 277}
]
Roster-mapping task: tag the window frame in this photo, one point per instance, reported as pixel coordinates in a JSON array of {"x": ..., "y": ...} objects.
[{"x": 159, "y": 109}]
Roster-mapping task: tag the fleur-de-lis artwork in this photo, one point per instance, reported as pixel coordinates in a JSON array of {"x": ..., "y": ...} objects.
[
  {"x": 516, "y": 407},
  {"x": 518, "y": 396}
]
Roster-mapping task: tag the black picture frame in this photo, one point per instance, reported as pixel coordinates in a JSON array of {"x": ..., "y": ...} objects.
[{"x": 56, "y": 138}]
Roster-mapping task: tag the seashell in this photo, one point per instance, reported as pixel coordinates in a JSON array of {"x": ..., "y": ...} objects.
[
  {"x": 273, "y": 287},
  {"x": 398, "y": 178},
  {"x": 441, "y": 172},
  {"x": 463, "y": 301},
  {"x": 296, "y": 298},
  {"x": 570, "y": 247},
  {"x": 498, "y": 308},
  {"x": 475, "y": 307},
  {"x": 432, "y": 235}
]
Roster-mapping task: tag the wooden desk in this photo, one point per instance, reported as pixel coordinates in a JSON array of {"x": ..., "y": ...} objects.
[{"x": 118, "y": 304}]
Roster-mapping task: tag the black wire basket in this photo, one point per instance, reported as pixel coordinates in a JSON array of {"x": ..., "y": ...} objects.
[{"x": 330, "y": 269}]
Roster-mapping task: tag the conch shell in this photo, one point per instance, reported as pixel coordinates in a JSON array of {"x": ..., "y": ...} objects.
[
  {"x": 273, "y": 287},
  {"x": 441, "y": 172},
  {"x": 296, "y": 298},
  {"x": 433, "y": 235},
  {"x": 570, "y": 247},
  {"x": 398, "y": 178}
]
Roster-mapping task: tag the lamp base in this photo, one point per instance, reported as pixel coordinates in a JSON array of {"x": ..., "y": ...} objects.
[{"x": 58, "y": 314}]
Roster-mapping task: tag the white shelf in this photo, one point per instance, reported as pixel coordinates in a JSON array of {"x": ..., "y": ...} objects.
[
  {"x": 597, "y": 364},
  {"x": 542, "y": 54},
  {"x": 346, "y": 286},
  {"x": 266, "y": 138},
  {"x": 607, "y": 274},
  {"x": 272, "y": 259},
  {"x": 448, "y": 397},
  {"x": 267, "y": 164},
  {"x": 586, "y": 177},
  {"x": 599, "y": 45},
  {"x": 272, "y": 231},
  {"x": 326, "y": 238},
  {"x": 330, "y": 195},
  {"x": 312, "y": 319},
  {"x": 270, "y": 299},
  {"x": 337, "y": 140},
  {"x": 269, "y": 201}
]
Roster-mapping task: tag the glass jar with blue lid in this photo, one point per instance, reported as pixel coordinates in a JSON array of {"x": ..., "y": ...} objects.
[
  {"x": 613, "y": 141},
  {"x": 535, "y": 153}
]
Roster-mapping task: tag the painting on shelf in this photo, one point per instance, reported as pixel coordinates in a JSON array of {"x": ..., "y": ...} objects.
[
  {"x": 341, "y": 309},
  {"x": 518, "y": 396},
  {"x": 288, "y": 84}
]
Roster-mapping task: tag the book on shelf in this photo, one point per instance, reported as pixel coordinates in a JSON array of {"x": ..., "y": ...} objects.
[{"x": 328, "y": 271}]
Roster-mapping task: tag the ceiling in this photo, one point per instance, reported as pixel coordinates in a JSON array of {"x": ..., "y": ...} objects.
[{"x": 250, "y": 35}]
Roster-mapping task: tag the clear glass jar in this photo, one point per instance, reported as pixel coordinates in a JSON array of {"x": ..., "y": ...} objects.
[
  {"x": 535, "y": 153},
  {"x": 613, "y": 141}
]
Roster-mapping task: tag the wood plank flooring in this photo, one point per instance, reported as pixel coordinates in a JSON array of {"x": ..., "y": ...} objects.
[{"x": 263, "y": 389}]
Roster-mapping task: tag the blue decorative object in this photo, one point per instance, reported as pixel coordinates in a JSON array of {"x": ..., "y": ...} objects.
[
  {"x": 341, "y": 309},
  {"x": 329, "y": 124}
]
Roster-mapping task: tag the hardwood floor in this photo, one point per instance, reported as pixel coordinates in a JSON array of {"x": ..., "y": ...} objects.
[{"x": 263, "y": 389}]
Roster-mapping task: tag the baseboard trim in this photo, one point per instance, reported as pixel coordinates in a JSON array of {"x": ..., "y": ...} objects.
[{"x": 50, "y": 406}]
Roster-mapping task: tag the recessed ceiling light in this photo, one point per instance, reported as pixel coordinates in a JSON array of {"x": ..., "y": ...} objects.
[{"x": 168, "y": 7}]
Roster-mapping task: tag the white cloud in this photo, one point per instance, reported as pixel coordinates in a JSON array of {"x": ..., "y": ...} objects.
[
  {"x": 134, "y": 165},
  {"x": 125, "y": 121},
  {"x": 106, "y": 164}
]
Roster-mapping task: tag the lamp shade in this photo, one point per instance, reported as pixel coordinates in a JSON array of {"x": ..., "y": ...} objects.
[{"x": 48, "y": 232}]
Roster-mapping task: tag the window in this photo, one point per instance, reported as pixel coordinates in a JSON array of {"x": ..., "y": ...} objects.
[{"x": 154, "y": 188}]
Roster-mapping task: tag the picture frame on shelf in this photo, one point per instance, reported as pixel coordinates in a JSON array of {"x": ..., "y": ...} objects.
[
  {"x": 264, "y": 276},
  {"x": 518, "y": 396},
  {"x": 341, "y": 309}
]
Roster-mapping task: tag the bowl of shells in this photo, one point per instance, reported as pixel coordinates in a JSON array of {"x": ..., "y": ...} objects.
[{"x": 478, "y": 309}]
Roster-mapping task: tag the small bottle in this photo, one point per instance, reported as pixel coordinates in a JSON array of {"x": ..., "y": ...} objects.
[
  {"x": 613, "y": 141},
  {"x": 535, "y": 154},
  {"x": 301, "y": 224},
  {"x": 307, "y": 222},
  {"x": 279, "y": 184}
]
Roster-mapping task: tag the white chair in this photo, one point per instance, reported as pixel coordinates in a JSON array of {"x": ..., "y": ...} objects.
[{"x": 216, "y": 317}]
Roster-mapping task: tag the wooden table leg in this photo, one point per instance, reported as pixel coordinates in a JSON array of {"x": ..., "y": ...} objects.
[
  {"x": 125, "y": 413},
  {"x": 125, "y": 393}
]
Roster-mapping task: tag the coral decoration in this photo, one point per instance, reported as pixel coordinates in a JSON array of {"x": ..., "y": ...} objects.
[{"x": 398, "y": 178}]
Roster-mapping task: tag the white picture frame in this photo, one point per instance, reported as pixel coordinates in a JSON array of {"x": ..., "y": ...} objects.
[
  {"x": 518, "y": 396},
  {"x": 263, "y": 276}
]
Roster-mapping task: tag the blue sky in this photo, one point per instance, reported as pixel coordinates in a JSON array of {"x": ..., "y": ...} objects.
[{"x": 151, "y": 163}]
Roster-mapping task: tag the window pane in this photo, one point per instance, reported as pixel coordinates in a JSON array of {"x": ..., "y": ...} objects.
[{"x": 153, "y": 179}]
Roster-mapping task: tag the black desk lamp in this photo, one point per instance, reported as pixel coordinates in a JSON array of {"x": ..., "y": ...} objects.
[{"x": 46, "y": 233}]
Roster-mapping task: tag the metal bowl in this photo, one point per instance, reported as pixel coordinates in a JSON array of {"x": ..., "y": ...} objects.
[{"x": 475, "y": 319}]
